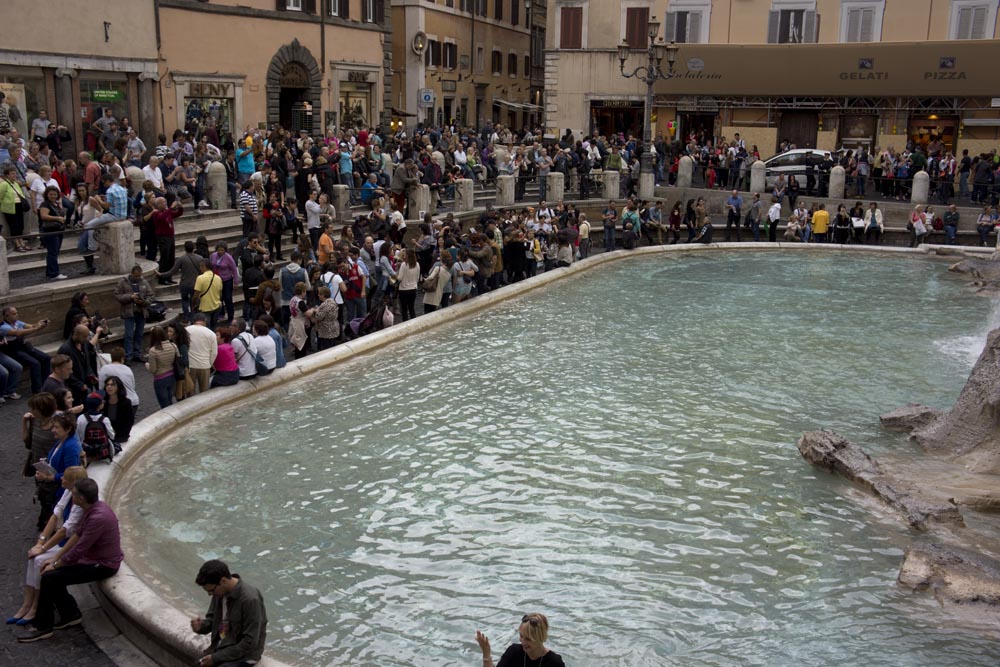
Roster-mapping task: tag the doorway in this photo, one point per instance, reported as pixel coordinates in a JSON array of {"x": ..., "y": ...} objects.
[
  {"x": 799, "y": 128},
  {"x": 289, "y": 102},
  {"x": 700, "y": 125}
]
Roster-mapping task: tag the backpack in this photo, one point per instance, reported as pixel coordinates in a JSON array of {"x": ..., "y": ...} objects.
[{"x": 97, "y": 445}]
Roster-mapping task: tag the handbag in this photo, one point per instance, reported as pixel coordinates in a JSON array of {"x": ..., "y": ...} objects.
[
  {"x": 430, "y": 282},
  {"x": 156, "y": 311},
  {"x": 180, "y": 370}
]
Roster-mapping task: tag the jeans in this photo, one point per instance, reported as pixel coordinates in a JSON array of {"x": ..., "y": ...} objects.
[
  {"x": 10, "y": 374},
  {"x": 755, "y": 230},
  {"x": 186, "y": 294},
  {"x": 348, "y": 180},
  {"x": 354, "y": 308},
  {"x": 733, "y": 219},
  {"x": 38, "y": 364},
  {"x": 87, "y": 242},
  {"x": 52, "y": 245},
  {"x": 963, "y": 184},
  {"x": 407, "y": 300},
  {"x": 542, "y": 187},
  {"x": 951, "y": 231},
  {"x": 227, "y": 299},
  {"x": 584, "y": 251},
  {"x": 234, "y": 191},
  {"x": 164, "y": 390},
  {"x": 609, "y": 237},
  {"x": 53, "y": 594},
  {"x": 134, "y": 327}
]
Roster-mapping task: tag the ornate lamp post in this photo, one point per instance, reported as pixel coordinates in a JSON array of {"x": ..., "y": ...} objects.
[{"x": 649, "y": 73}]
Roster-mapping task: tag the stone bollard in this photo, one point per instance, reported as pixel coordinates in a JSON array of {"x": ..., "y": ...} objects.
[
  {"x": 612, "y": 184},
  {"x": 464, "y": 195},
  {"x": 136, "y": 178},
  {"x": 574, "y": 180},
  {"x": 4, "y": 275},
  {"x": 921, "y": 187},
  {"x": 555, "y": 186},
  {"x": 838, "y": 181},
  {"x": 647, "y": 185},
  {"x": 115, "y": 248},
  {"x": 758, "y": 177},
  {"x": 342, "y": 202},
  {"x": 418, "y": 198},
  {"x": 685, "y": 171},
  {"x": 218, "y": 186},
  {"x": 505, "y": 191}
]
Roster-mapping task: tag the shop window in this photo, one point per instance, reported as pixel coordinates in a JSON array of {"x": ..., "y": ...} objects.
[
  {"x": 972, "y": 19},
  {"x": 637, "y": 27},
  {"x": 792, "y": 26},
  {"x": 683, "y": 27},
  {"x": 512, "y": 64},
  {"x": 97, "y": 95},
  {"x": 25, "y": 97},
  {"x": 198, "y": 110},
  {"x": 571, "y": 27},
  {"x": 497, "y": 63},
  {"x": 355, "y": 104}
]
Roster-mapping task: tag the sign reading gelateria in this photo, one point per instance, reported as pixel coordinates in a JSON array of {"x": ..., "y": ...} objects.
[{"x": 956, "y": 68}]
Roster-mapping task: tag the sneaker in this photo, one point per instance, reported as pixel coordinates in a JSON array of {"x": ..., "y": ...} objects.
[
  {"x": 61, "y": 276},
  {"x": 204, "y": 204},
  {"x": 89, "y": 272},
  {"x": 35, "y": 636},
  {"x": 2, "y": 401},
  {"x": 68, "y": 624},
  {"x": 13, "y": 396}
]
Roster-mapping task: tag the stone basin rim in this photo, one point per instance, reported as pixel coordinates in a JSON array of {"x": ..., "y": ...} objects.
[{"x": 162, "y": 630}]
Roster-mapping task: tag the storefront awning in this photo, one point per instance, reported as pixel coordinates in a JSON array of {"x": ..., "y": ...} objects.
[
  {"x": 510, "y": 105},
  {"x": 402, "y": 114}
]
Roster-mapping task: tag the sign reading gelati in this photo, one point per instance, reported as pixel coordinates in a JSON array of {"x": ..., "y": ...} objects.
[
  {"x": 106, "y": 95},
  {"x": 205, "y": 89}
]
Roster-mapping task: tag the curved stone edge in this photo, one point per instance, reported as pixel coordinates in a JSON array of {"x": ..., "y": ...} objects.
[
  {"x": 956, "y": 575},
  {"x": 162, "y": 630}
]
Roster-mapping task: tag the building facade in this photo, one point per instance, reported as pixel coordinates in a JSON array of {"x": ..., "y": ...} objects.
[
  {"x": 816, "y": 73},
  {"x": 94, "y": 60},
  {"x": 463, "y": 61},
  {"x": 306, "y": 64}
]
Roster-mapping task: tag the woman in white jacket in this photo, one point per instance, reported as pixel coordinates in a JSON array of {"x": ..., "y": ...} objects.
[{"x": 873, "y": 223}]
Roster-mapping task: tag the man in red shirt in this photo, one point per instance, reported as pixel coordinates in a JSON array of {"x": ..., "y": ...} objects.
[
  {"x": 163, "y": 230},
  {"x": 91, "y": 172},
  {"x": 96, "y": 555}
]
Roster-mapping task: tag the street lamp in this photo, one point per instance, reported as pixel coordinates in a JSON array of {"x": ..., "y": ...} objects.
[{"x": 650, "y": 73}]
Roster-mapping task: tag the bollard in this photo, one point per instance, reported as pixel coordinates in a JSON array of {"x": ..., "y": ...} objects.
[
  {"x": 758, "y": 177},
  {"x": 574, "y": 180},
  {"x": 341, "y": 202},
  {"x": 921, "y": 188},
  {"x": 418, "y": 198},
  {"x": 838, "y": 181},
  {"x": 612, "y": 184},
  {"x": 4, "y": 275},
  {"x": 464, "y": 195},
  {"x": 555, "y": 186},
  {"x": 505, "y": 191},
  {"x": 685, "y": 171},
  {"x": 218, "y": 186},
  {"x": 115, "y": 248}
]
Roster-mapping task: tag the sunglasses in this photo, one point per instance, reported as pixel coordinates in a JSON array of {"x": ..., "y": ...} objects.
[{"x": 530, "y": 619}]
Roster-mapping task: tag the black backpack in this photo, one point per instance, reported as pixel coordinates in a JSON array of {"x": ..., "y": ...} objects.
[{"x": 97, "y": 444}]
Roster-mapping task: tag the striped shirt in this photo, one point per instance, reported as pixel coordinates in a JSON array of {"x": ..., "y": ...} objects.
[{"x": 248, "y": 200}]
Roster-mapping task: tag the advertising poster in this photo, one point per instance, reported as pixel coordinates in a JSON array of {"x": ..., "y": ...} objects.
[{"x": 18, "y": 106}]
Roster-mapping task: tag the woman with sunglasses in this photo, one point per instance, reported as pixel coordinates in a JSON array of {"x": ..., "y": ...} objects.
[{"x": 530, "y": 652}]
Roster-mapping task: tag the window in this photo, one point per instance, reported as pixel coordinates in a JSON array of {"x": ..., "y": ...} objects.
[
  {"x": 481, "y": 7},
  {"x": 498, "y": 10},
  {"x": 497, "y": 62},
  {"x": 307, "y": 6},
  {"x": 450, "y": 55},
  {"x": 637, "y": 27},
  {"x": 466, "y": 6},
  {"x": 972, "y": 19},
  {"x": 571, "y": 28},
  {"x": 432, "y": 55},
  {"x": 527, "y": 67},
  {"x": 480, "y": 59},
  {"x": 338, "y": 8},
  {"x": 515, "y": 11},
  {"x": 792, "y": 26},
  {"x": 683, "y": 27},
  {"x": 293, "y": 5},
  {"x": 512, "y": 64},
  {"x": 861, "y": 20},
  {"x": 372, "y": 11}
]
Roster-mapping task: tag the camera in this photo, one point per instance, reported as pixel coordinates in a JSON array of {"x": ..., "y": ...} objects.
[{"x": 101, "y": 322}]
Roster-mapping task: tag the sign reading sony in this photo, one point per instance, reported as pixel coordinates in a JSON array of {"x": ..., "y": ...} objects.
[{"x": 207, "y": 89}]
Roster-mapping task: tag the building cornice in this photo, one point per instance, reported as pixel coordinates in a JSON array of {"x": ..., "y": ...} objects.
[
  {"x": 270, "y": 14},
  {"x": 72, "y": 61}
]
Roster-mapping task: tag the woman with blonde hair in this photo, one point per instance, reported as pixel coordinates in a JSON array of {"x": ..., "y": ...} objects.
[
  {"x": 530, "y": 651},
  {"x": 917, "y": 226},
  {"x": 58, "y": 537}
]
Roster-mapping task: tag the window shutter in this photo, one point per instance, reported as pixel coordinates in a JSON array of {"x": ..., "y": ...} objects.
[
  {"x": 345, "y": 9},
  {"x": 773, "y": 25},
  {"x": 867, "y": 33},
  {"x": 636, "y": 21},
  {"x": 515, "y": 11},
  {"x": 309, "y": 6},
  {"x": 571, "y": 28},
  {"x": 670, "y": 27},
  {"x": 694, "y": 27},
  {"x": 854, "y": 25},
  {"x": 810, "y": 27},
  {"x": 364, "y": 12},
  {"x": 281, "y": 5},
  {"x": 380, "y": 12},
  {"x": 978, "y": 23}
]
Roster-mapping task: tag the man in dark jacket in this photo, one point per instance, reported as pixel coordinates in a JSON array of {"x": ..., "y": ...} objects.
[{"x": 236, "y": 618}]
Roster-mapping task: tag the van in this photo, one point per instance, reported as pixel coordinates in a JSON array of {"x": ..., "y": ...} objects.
[{"x": 793, "y": 163}]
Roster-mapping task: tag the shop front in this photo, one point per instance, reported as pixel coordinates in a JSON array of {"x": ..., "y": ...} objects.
[
  {"x": 356, "y": 86},
  {"x": 25, "y": 91},
  {"x": 204, "y": 99},
  {"x": 936, "y": 131},
  {"x": 616, "y": 116}
]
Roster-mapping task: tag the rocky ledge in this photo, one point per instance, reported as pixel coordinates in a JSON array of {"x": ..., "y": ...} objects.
[
  {"x": 984, "y": 272},
  {"x": 956, "y": 575}
]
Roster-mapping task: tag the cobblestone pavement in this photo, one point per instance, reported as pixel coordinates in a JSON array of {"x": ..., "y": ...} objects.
[{"x": 73, "y": 646}]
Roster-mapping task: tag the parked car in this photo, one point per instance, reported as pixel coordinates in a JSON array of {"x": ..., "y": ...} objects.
[{"x": 793, "y": 163}]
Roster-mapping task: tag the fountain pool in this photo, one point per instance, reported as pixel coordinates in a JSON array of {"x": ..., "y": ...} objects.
[{"x": 616, "y": 451}]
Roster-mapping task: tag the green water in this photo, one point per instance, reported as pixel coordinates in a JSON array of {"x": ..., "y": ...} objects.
[{"x": 617, "y": 452}]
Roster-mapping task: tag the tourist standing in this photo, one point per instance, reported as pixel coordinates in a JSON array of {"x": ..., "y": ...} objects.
[
  {"x": 202, "y": 350},
  {"x": 134, "y": 295}
]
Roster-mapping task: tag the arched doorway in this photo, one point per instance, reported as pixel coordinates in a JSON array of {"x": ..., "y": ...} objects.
[{"x": 294, "y": 89}]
